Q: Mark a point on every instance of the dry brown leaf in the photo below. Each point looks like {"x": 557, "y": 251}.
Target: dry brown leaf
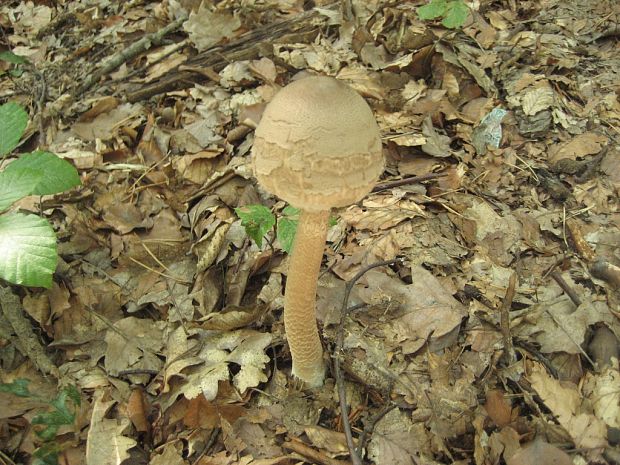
{"x": 103, "y": 105}
{"x": 331, "y": 441}
{"x": 232, "y": 317}
{"x": 588, "y": 143}
{"x": 429, "y": 313}
{"x": 136, "y": 410}
{"x": 539, "y": 452}
{"x": 172, "y": 455}
{"x": 397, "y": 440}
{"x": 206, "y": 28}
{"x": 436, "y": 145}
{"x": 603, "y": 390}
{"x": 133, "y": 344}
{"x": 106, "y": 443}
{"x": 498, "y": 408}
{"x": 105, "y": 125}
{"x": 565, "y": 402}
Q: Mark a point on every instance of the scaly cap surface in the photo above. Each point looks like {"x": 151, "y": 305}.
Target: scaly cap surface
{"x": 318, "y": 145}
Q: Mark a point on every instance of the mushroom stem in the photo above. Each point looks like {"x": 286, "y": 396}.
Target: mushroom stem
{"x": 300, "y": 297}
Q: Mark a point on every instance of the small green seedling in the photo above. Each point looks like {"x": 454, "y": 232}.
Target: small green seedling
{"x": 17, "y": 60}
{"x": 453, "y": 12}
{"x": 258, "y": 220}
{"x": 28, "y": 253}
{"x": 61, "y": 411}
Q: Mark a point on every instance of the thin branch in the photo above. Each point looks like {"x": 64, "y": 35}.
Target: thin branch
{"x": 405, "y": 181}
{"x": 130, "y": 52}
{"x": 342, "y": 394}
{"x": 570, "y": 292}
{"x": 370, "y": 426}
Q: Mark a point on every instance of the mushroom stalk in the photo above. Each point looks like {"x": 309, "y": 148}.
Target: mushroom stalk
{"x": 318, "y": 147}
{"x": 300, "y": 297}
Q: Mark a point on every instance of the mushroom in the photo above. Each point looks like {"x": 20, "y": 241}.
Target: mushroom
{"x": 317, "y": 146}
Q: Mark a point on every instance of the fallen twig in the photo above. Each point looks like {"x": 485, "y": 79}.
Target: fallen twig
{"x": 314, "y": 455}
{"x": 382, "y": 186}
{"x": 370, "y": 426}
{"x": 253, "y": 44}
{"x": 32, "y": 348}
{"x": 342, "y": 394}
{"x": 570, "y": 292}
{"x": 130, "y": 52}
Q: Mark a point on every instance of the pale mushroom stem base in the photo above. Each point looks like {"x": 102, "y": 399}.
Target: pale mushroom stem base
{"x": 300, "y": 297}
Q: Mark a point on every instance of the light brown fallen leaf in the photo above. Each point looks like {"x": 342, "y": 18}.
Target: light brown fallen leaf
{"x": 538, "y": 453}
{"x": 106, "y": 443}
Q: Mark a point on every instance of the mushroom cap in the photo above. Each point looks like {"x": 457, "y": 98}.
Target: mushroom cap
{"x": 318, "y": 145}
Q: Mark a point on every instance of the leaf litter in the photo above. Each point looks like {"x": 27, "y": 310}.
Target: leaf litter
{"x": 166, "y": 308}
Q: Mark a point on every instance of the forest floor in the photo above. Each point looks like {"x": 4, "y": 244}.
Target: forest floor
{"x": 493, "y": 339}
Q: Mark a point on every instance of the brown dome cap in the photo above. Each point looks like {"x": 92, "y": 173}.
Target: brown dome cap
{"x": 317, "y": 145}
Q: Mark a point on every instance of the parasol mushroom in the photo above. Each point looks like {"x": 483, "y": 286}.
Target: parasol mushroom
{"x": 317, "y": 146}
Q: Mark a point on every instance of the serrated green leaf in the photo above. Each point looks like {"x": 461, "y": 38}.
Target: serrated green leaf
{"x": 16, "y": 185}
{"x": 13, "y": 122}
{"x": 291, "y": 211}
{"x": 53, "y": 173}
{"x": 18, "y": 388}
{"x": 47, "y": 454}
{"x": 28, "y": 253}
{"x": 456, "y": 14}
{"x": 287, "y": 227}
{"x": 434, "y": 9}
{"x": 257, "y": 221}
{"x": 60, "y": 415}
{"x": 12, "y": 58}
{"x": 65, "y": 415}
{"x": 74, "y": 394}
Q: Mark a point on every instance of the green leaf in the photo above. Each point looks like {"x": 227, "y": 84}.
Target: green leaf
{"x": 66, "y": 416}
{"x": 18, "y": 388}
{"x": 16, "y": 185}
{"x": 28, "y": 254}
{"x": 432, "y": 10}
{"x": 47, "y": 454}
{"x": 287, "y": 226}
{"x": 59, "y": 416}
{"x": 74, "y": 394}
{"x": 13, "y": 122}
{"x": 53, "y": 174}
{"x": 257, "y": 221}
{"x": 456, "y": 14}
{"x": 12, "y": 58}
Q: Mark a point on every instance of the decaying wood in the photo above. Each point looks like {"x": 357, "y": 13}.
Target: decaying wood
{"x": 302, "y": 28}
{"x": 29, "y": 344}
{"x": 128, "y": 53}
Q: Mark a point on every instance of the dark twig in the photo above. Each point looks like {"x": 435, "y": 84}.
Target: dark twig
{"x": 370, "y": 426}
{"x": 570, "y": 292}
{"x": 410, "y": 180}
{"x": 344, "y": 410}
